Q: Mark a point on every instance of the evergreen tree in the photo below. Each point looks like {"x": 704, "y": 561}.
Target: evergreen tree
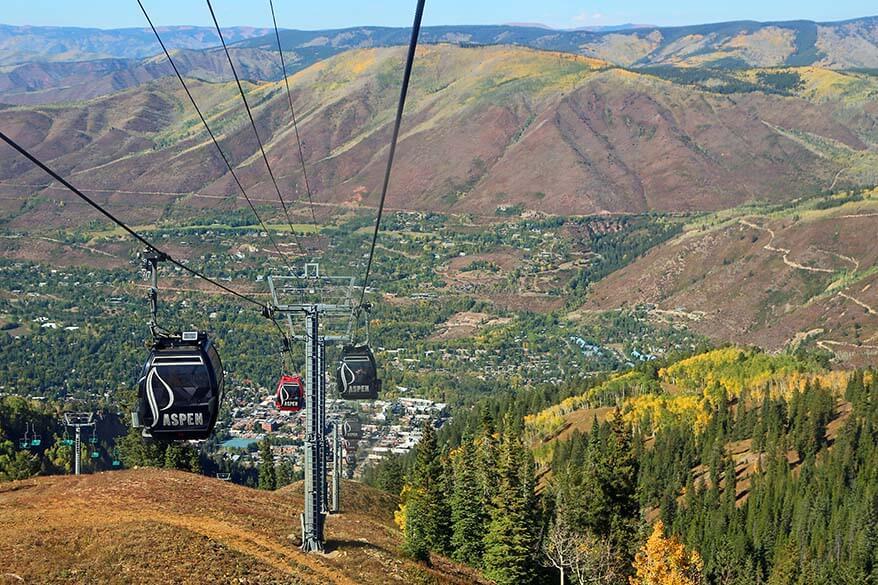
{"x": 426, "y": 509}
{"x": 487, "y": 458}
{"x": 391, "y": 475}
{"x": 429, "y": 478}
{"x": 137, "y": 452}
{"x": 467, "y": 508}
{"x": 787, "y": 565}
{"x": 267, "y": 476}
{"x": 284, "y": 473}
{"x": 176, "y": 457}
{"x": 440, "y": 499}
{"x": 620, "y": 487}
{"x": 509, "y": 543}
{"x": 410, "y": 519}
{"x": 194, "y": 462}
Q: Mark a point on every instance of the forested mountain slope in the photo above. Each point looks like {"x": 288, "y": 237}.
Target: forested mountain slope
{"x": 761, "y": 466}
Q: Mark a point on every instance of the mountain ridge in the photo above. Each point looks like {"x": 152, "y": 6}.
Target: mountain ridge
{"x": 44, "y": 65}
{"x": 25, "y": 44}
{"x": 734, "y": 44}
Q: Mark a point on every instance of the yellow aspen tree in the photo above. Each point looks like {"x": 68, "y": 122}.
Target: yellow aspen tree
{"x": 665, "y": 561}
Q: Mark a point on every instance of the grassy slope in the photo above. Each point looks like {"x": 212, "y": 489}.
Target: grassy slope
{"x": 159, "y": 526}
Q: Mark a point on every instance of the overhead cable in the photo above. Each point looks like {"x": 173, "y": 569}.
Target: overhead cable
{"x": 210, "y": 133}
{"x": 122, "y": 225}
{"x": 293, "y": 113}
{"x": 252, "y": 120}
{"x": 406, "y": 77}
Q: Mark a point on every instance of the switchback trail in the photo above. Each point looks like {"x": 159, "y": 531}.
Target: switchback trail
{"x": 783, "y": 251}
{"x": 869, "y": 309}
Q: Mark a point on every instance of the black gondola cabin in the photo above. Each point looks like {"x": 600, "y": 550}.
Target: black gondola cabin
{"x": 290, "y": 395}
{"x": 181, "y": 388}
{"x": 357, "y": 374}
{"x": 352, "y": 430}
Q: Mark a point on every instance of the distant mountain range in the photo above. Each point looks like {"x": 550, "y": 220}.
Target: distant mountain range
{"x": 741, "y": 44}
{"x": 847, "y": 44}
{"x": 50, "y": 64}
{"x": 27, "y": 44}
{"x": 605, "y": 28}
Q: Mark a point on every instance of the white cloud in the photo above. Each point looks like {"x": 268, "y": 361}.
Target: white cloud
{"x": 586, "y": 17}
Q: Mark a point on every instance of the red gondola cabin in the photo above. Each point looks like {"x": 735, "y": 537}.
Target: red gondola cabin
{"x": 290, "y": 395}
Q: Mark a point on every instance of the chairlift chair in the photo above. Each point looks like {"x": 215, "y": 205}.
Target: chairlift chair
{"x": 24, "y": 442}
{"x": 66, "y": 440}
{"x": 180, "y": 389}
{"x": 36, "y": 440}
{"x": 116, "y": 461}
{"x": 357, "y": 374}
{"x": 290, "y": 396}
{"x": 93, "y": 441}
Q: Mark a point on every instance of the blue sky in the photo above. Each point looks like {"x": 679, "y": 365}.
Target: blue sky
{"x": 342, "y": 13}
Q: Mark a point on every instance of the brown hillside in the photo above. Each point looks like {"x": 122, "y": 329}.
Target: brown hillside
{"x": 484, "y": 127}
{"x": 778, "y": 280}
{"x": 160, "y": 526}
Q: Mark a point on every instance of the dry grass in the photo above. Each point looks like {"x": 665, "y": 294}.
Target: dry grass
{"x": 160, "y": 526}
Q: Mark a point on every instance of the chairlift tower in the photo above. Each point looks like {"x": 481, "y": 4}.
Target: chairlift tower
{"x": 321, "y": 410}
{"x": 77, "y": 420}
{"x": 336, "y": 467}
{"x": 327, "y": 305}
